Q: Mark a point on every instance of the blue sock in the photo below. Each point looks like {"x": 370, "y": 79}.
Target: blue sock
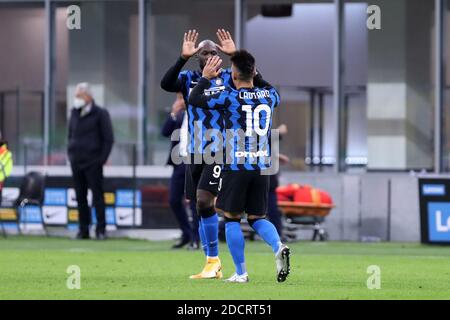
{"x": 266, "y": 230}
{"x": 211, "y": 230}
{"x": 202, "y": 235}
{"x": 236, "y": 245}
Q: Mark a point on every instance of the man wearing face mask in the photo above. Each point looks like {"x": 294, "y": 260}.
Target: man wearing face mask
{"x": 90, "y": 142}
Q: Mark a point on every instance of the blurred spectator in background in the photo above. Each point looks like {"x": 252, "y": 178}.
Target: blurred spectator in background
{"x": 90, "y": 142}
{"x": 177, "y": 119}
{"x": 6, "y": 163}
{"x": 2, "y": 143}
{"x": 273, "y": 213}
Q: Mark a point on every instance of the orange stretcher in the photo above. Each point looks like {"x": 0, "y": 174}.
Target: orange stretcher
{"x": 290, "y": 208}
{"x": 304, "y": 207}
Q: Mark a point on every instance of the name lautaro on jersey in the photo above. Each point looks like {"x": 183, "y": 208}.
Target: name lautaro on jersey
{"x": 254, "y": 95}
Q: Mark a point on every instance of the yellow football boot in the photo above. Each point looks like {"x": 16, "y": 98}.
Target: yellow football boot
{"x": 212, "y": 270}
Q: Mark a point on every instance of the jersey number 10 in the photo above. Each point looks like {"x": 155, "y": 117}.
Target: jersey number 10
{"x": 252, "y": 119}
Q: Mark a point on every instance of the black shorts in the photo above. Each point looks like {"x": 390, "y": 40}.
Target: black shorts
{"x": 202, "y": 176}
{"x": 244, "y": 191}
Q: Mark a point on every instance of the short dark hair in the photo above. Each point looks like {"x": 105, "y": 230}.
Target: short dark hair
{"x": 245, "y": 63}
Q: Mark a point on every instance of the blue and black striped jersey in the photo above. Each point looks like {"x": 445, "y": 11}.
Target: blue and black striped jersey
{"x": 207, "y": 118}
{"x": 199, "y": 121}
{"x": 247, "y": 115}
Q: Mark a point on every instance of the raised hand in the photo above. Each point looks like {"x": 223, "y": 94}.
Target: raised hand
{"x": 212, "y": 68}
{"x": 226, "y": 45}
{"x": 189, "y": 40}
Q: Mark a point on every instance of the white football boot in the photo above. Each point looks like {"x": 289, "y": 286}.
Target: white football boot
{"x": 243, "y": 278}
{"x": 282, "y": 262}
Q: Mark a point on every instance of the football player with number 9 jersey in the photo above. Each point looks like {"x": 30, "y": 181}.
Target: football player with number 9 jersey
{"x": 202, "y": 179}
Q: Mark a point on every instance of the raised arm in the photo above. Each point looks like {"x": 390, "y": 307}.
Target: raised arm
{"x": 197, "y": 98}
{"x": 171, "y": 81}
{"x": 226, "y": 45}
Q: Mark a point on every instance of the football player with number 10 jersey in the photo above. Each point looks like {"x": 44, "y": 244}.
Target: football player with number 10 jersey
{"x": 247, "y": 111}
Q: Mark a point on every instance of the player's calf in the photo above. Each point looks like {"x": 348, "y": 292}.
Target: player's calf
{"x": 267, "y": 231}
{"x": 209, "y": 221}
{"x": 236, "y": 242}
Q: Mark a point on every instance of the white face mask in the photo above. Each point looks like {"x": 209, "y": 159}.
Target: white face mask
{"x": 78, "y": 103}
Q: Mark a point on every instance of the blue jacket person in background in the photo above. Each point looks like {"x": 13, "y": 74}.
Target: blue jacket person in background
{"x": 174, "y": 121}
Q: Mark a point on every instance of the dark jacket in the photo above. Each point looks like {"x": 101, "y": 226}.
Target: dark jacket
{"x": 90, "y": 137}
{"x": 170, "y": 126}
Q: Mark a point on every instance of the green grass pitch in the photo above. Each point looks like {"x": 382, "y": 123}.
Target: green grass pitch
{"x": 35, "y": 268}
